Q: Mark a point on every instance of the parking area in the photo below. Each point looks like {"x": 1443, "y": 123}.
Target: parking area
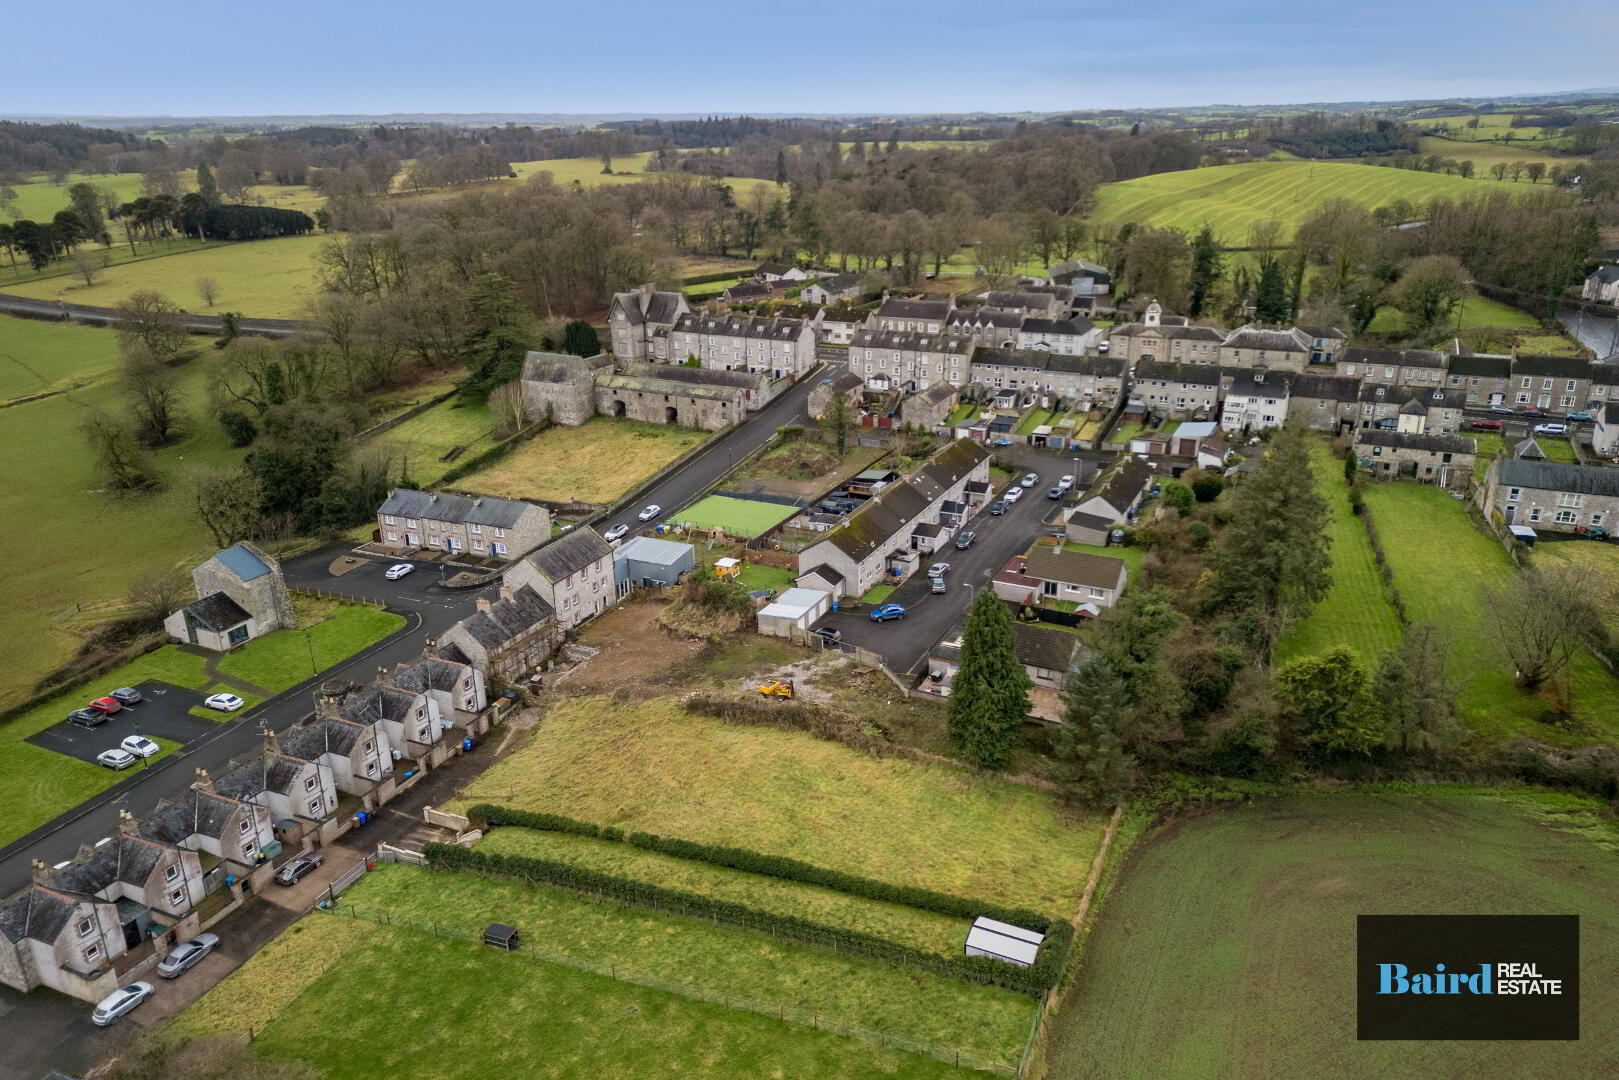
{"x": 162, "y": 713}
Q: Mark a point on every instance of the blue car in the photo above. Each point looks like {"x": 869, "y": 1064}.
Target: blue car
{"x": 886, "y": 612}
{"x": 1580, "y": 417}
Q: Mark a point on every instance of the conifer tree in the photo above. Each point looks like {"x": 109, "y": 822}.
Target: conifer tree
{"x": 207, "y": 186}
{"x": 1270, "y": 299}
{"x": 580, "y": 339}
{"x": 990, "y": 698}
{"x": 497, "y": 339}
{"x": 1089, "y": 746}
{"x": 1207, "y": 266}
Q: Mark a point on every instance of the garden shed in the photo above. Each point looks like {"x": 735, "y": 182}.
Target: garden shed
{"x": 501, "y": 936}
{"x": 1003, "y": 941}
{"x": 794, "y": 607}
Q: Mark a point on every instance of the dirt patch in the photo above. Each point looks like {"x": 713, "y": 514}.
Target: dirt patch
{"x": 803, "y": 675}
{"x": 635, "y": 651}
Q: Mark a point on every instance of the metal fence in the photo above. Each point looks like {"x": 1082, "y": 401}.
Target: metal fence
{"x": 789, "y": 1013}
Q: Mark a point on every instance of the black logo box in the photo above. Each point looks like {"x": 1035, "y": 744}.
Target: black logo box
{"x": 1462, "y": 942}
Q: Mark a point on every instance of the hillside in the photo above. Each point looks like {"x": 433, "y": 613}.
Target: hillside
{"x": 1233, "y": 197}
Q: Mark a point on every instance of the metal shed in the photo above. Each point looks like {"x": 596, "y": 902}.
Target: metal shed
{"x": 500, "y": 936}
{"x": 1003, "y": 941}
{"x": 794, "y": 607}
{"x": 646, "y": 560}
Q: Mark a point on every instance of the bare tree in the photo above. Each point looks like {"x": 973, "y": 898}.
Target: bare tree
{"x": 153, "y": 396}
{"x": 208, "y": 290}
{"x": 85, "y": 265}
{"x": 127, "y": 467}
{"x": 155, "y": 594}
{"x": 1542, "y": 618}
{"x": 229, "y": 503}
{"x": 152, "y": 322}
{"x": 507, "y": 410}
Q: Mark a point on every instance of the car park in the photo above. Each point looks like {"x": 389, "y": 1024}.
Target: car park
{"x": 108, "y": 705}
{"x": 117, "y": 760}
{"x": 119, "y": 1003}
{"x": 1551, "y": 429}
{"x": 186, "y": 955}
{"x": 1030, "y": 479}
{"x": 939, "y": 569}
{"x": 140, "y": 746}
{"x": 223, "y": 702}
{"x": 397, "y": 571}
{"x": 937, "y": 585}
{"x": 1014, "y": 495}
{"x": 650, "y": 512}
{"x": 86, "y": 717}
{"x": 997, "y": 508}
{"x": 294, "y": 870}
{"x": 965, "y": 540}
{"x": 615, "y": 533}
{"x": 886, "y": 612}
{"x": 127, "y": 695}
{"x": 831, "y": 634}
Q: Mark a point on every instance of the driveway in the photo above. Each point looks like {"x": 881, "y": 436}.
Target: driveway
{"x": 43, "y": 1031}
{"x": 163, "y": 714}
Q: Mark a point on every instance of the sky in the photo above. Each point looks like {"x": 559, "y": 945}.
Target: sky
{"x": 190, "y": 58}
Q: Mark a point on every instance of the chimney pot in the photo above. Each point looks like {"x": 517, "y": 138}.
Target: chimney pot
{"x": 483, "y": 603}
{"x": 40, "y": 870}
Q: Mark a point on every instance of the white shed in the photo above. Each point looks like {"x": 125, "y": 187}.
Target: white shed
{"x": 794, "y": 607}
{"x": 1003, "y": 941}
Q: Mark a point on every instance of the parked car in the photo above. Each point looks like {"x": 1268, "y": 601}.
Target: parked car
{"x": 1013, "y": 495}
{"x": 86, "y": 717}
{"x": 108, "y": 705}
{"x": 1505, "y": 410}
{"x": 1533, "y": 413}
{"x": 1551, "y": 429}
{"x": 615, "y": 533}
{"x": 294, "y": 870}
{"x": 939, "y": 569}
{"x": 1580, "y": 417}
{"x": 1101, "y": 346}
{"x": 886, "y": 612}
{"x": 937, "y": 585}
{"x": 965, "y": 540}
{"x": 140, "y": 746}
{"x": 1030, "y": 479}
{"x": 1056, "y": 492}
{"x": 1486, "y": 425}
{"x": 120, "y": 1002}
{"x": 116, "y": 760}
{"x": 397, "y": 571}
{"x": 650, "y": 512}
{"x": 831, "y": 633}
{"x": 1066, "y": 481}
{"x": 223, "y": 702}
{"x": 997, "y": 508}
{"x": 1001, "y": 442}
{"x": 127, "y": 695}
{"x": 186, "y": 955}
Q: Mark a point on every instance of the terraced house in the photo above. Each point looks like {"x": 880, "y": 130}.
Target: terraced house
{"x": 896, "y": 359}
{"x": 638, "y": 323}
{"x": 1177, "y": 390}
{"x": 1098, "y": 380}
{"x": 507, "y": 637}
{"x": 573, "y": 574}
{"x": 1411, "y": 409}
{"x": 1279, "y": 349}
{"x": 785, "y": 348}
{"x": 1445, "y": 460}
{"x": 1549, "y": 495}
{"x": 1395, "y": 367}
{"x": 477, "y": 525}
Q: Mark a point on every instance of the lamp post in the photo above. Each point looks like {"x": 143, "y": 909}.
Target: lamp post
{"x": 309, "y": 643}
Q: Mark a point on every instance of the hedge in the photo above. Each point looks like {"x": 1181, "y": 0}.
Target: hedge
{"x": 1047, "y": 967}
{"x": 976, "y": 969}
{"x": 719, "y": 275}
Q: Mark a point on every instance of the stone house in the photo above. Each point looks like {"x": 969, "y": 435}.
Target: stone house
{"x": 784, "y": 348}
{"x": 1271, "y": 348}
{"x": 237, "y": 834}
{"x": 657, "y": 400}
{"x": 301, "y": 795}
{"x": 1255, "y": 400}
{"x": 986, "y": 326}
{"x": 357, "y": 756}
{"x": 838, "y": 324}
{"x": 573, "y": 574}
{"x": 1395, "y": 367}
{"x": 1445, "y": 460}
{"x": 482, "y": 526}
{"x": 1071, "y": 337}
{"x": 1411, "y": 409}
{"x": 1482, "y": 378}
{"x": 754, "y": 385}
{"x": 1554, "y": 383}
{"x": 508, "y": 637}
{"x": 830, "y": 290}
{"x": 561, "y": 386}
{"x": 634, "y": 320}
{"x": 1605, "y": 381}
{"x": 417, "y": 728}
{"x": 892, "y": 359}
{"x": 1111, "y": 499}
{"x": 910, "y": 316}
{"x": 1549, "y": 495}
{"x": 847, "y": 384}
{"x": 885, "y": 538}
{"x": 929, "y": 408}
{"x": 1098, "y": 380}
{"x": 241, "y": 595}
{"x": 1177, "y": 390}
{"x": 1323, "y": 402}
{"x": 64, "y": 941}
{"x": 1602, "y": 285}
{"x": 1605, "y": 432}
{"x": 1165, "y": 337}
{"x": 1041, "y": 305}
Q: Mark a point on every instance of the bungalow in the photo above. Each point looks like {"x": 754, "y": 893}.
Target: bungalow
{"x": 1050, "y": 575}
{"x": 1109, "y": 501}
{"x": 1445, "y": 460}
{"x": 1047, "y": 656}
{"x": 482, "y": 526}
{"x": 573, "y": 574}
{"x": 769, "y": 271}
{"x": 746, "y": 292}
{"x": 1548, "y": 495}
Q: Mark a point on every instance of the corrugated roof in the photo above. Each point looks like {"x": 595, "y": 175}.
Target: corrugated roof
{"x": 653, "y": 550}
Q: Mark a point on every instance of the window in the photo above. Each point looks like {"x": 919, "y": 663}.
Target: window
{"x": 421, "y": 710}
{"x": 1596, "y": 519}
{"x": 172, "y": 872}
{"x": 388, "y": 519}
{"x": 177, "y": 898}
{"x": 1566, "y": 517}
{"x": 1569, "y": 385}
{"x": 85, "y": 926}
{"x": 1513, "y": 493}
{"x": 1525, "y": 382}
{"x": 500, "y": 549}
{"x": 499, "y": 533}
{"x": 368, "y": 747}
{"x": 1097, "y": 594}
{"x": 476, "y": 529}
{"x": 92, "y": 952}
{"x": 250, "y": 849}
{"x": 1534, "y": 515}
{"x": 245, "y": 826}
{"x": 1568, "y": 498}
{"x": 393, "y": 538}
{"x": 1377, "y": 451}
{"x": 315, "y": 807}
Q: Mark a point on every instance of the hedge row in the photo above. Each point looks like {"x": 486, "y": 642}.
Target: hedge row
{"x": 976, "y": 969}
{"x": 719, "y": 275}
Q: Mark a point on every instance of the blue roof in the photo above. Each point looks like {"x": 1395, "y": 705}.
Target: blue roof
{"x": 243, "y": 563}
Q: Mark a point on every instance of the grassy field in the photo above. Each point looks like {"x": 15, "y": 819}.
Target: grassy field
{"x": 738, "y": 517}
{"x": 1484, "y": 154}
{"x": 1233, "y": 197}
{"x": 39, "y": 200}
{"x": 595, "y": 462}
{"x": 649, "y": 766}
{"x": 284, "y": 659}
{"x": 1475, "y": 313}
{"x": 1224, "y": 951}
{"x": 1598, "y": 560}
{"x": 1356, "y": 610}
{"x": 37, "y": 357}
{"x": 754, "y": 576}
{"x": 894, "y": 922}
{"x": 425, "y": 438}
{"x": 271, "y": 279}
{"x": 553, "y": 1022}
{"x": 1441, "y": 563}
{"x": 102, "y": 258}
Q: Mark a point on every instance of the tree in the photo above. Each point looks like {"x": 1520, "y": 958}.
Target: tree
{"x": 1415, "y": 696}
{"x": 607, "y": 164}
{"x": 1131, "y": 639}
{"x": 229, "y": 503}
{"x": 1541, "y": 618}
{"x": 1363, "y": 305}
{"x": 579, "y": 338}
{"x": 152, "y": 397}
{"x": 207, "y": 290}
{"x": 1327, "y": 699}
{"x": 1498, "y": 171}
{"x": 990, "y": 699}
{"x": 838, "y": 422}
{"x": 1093, "y": 765}
{"x": 781, "y": 166}
{"x": 152, "y": 323}
{"x": 116, "y": 450}
{"x": 207, "y": 186}
{"x": 507, "y": 409}
{"x": 1535, "y": 169}
{"x": 85, "y": 202}
{"x": 1207, "y": 267}
{"x": 155, "y": 594}
{"x": 1156, "y": 262}
{"x": 86, "y": 265}
{"x": 1270, "y": 298}
{"x": 497, "y": 339}
{"x": 1429, "y": 291}
{"x": 238, "y": 427}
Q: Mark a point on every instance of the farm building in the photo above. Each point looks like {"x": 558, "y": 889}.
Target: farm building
{"x": 241, "y": 595}
{"x": 646, "y": 560}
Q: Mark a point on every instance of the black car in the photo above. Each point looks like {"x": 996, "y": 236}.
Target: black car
{"x": 291, "y": 872}
{"x": 1537, "y": 413}
{"x": 965, "y": 540}
{"x": 86, "y": 717}
{"x": 997, "y": 508}
{"x": 126, "y": 695}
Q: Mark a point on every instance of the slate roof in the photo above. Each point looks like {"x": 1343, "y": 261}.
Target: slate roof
{"x": 736, "y": 324}
{"x": 1606, "y": 274}
{"x": 510, "y": 618}
{"x": 569, "y": 553}
{"x": 129, "y": 859}
{"x": 1074, "y": 567}
{"x": 1042, "y": 360}
{"x": 1326, "y": 332}
{"x": 38, "y": 913}
{"x": 1090, "y": 521}
{"x": 1041, "y": 647}
{"x": 748, "y": 290}
{"x": 1410, "y": 440}
{"x": 847, "y": 381}
{"x": 550, "y": 367}
{"x": 1205, "y": 333}
{"x": 1120, "y": 487}
{"x": 1246, "y": 383}
{"x": 938, "y": 393}
{"x": 244, "y": 562}
{"x": 839, "y": 282}
{"x": 657, "y": 384}
{"x": 1004, "y": 320}
{"x": 777, "y": 269}
{"x": 1428, "y": 397}
{"x": 1605, "y": 373}
{"x": 826, "y": 572}
{"x": 1021, "y": 300}
{"x": 461, "y": 509}
{"x": 927, "y": 310}
{"x": 218, "y": 612}
{"x": 375, "y": 703}
{"x": 912, "y": 340}
{"x": 1059, "y": 327}
{"x": 431, "y": 673}
{"x": 1481, "y": 366}
{"x": 893, "y": 509}
{"x": 702, "y": 376}
{"x": 1560, "y": 367}
{"x": 652, "y": 307}
{"x": 1427, "y": 358}
{"x": 322, "y": 735}
{"x": 1164, "y": 371}
{"x": 1529, "y": 450}
{"x": 1328, "y": 387}
{"x": 201, "y": 813}
{"x": 1553, "y": 476}
{"x": 1254, "y": 337}
{"x": 1610, "y": 413}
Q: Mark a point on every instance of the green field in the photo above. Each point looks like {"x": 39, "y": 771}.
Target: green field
{"x": 1483, "y": 154}
{"x": 288, "y": 657}
{"x": 426, "y": 437}
{"x": 1598, "y": 560}
{"x": 270, "y": 279}
{"x": 39, "y": 200}
{"x": 331, "y": 973}
{"x": 1441, "y": 563}
{"x": 738, "y": 517}
{"x": 1356, "y": 610}
{"x": 1225, "y": 950}
{"x": 38, "y": 357}
{"x": 1474, "y": 313}
{"x": 101, "y": 259}
{"x": 596, "y": 462}
{"x": 649, "y": 766}
{"x": 1233, "y": 197}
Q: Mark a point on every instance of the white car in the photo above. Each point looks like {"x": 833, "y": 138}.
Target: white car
{"x": 615, "y": 533}
{"x": 186, "y": 955}
{"x": 117, "y": 760}
{"x": 223, "y": 702}
{"x": 650, "y": 512}
{"x": 140, "y": 746}
{"x": 1031, "y": 479}
{"x": 121, "y": 1001}
{"x": 939, "y": 569}
{"x": 1066, "y": 482}
{"x": 397, "y": 571}
{"x": 1013, "y": 494}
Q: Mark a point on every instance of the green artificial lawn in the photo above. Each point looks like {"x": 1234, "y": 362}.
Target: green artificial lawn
{"x": 710, "y": 958}
{"x": 910, "y": 926}
{"x": 738, "y": 517}
{"x": 1225, "y": 950}
{"x": 288, "y": 657}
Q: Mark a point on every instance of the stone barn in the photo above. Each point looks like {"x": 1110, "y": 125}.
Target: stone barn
{"x": 241, "y": 595}
{"x": 564, "y": 384}
{"x": 661, "y": 400}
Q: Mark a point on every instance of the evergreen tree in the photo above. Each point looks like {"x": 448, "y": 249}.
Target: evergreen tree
{"x": 207, "y": 186}
{"x": 1089, "y": 746}
{"x": 990, "y": 699}
{"x": 579, "y": 338}
{"x": 497, "y": 338}
{"x": 1270, "y": 299}
{"x": 781, "y": 166}
{"x": 1415, "y": 697}
{"x": 838, "y": 422}
{"x": 1207, "y": 267}
{"x": 1362, "y": 310}
{"x": 1328, "y": 701}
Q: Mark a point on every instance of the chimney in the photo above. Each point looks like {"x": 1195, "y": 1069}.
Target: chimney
{"x": 41, "y": 872}
{"x": 646, "y": 288}
{"x": 483, "y": 603}
{"x": 272, "y": 741}
{"x": 505, "y": 591}
{"x": 204, "y": 782}
{"x": 126, "y": 823}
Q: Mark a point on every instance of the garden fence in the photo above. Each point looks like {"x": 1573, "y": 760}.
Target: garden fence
{"x": 789, "y": 1013}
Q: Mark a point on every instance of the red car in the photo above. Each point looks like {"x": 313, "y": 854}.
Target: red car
{"x": 1485, "y": 425}
{"x": 108, "y": 705}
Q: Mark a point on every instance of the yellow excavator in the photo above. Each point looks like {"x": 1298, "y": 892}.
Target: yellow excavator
{"x": 780, "y": 688}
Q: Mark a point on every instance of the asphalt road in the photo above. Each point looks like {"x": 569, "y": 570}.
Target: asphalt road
{"x": 1599, "y": 333}
{"x": 105, "y": 316}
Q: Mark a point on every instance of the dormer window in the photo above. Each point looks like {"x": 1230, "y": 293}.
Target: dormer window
{"x": 1379, "y": 391}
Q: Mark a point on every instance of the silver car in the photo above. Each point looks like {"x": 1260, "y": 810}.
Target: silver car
{"x": 116, "y": 1004}
{"x": 187, "y": 955}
